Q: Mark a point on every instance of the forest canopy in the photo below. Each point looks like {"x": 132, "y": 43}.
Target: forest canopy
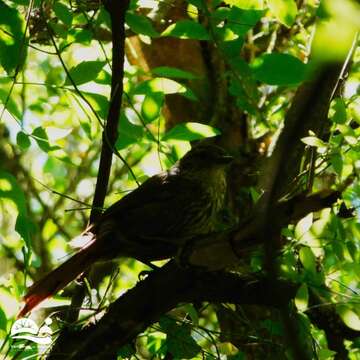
{"x": 98, "y": 96}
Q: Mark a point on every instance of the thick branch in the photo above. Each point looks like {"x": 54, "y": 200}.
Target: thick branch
{"x": 159, "y": 293}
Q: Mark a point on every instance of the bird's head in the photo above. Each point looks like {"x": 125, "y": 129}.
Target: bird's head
{"x": 205, "y": 158}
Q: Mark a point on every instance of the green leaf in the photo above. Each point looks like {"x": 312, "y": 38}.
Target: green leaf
{"x": 284, "y": 10}
{"x": 155, "y": 343}
{"x": 151, "y": 106}
{"x": 84, "y": 72}
{"x": 140, "y": 24}
{"x": 167, "y": 71}
{"x": 179, "y": 341}
{"x": 25, "y": 227}
{"x": 3, "y": 320}
{"x": 99, "y": 103}
{"x": 308, "y": 259}
{"x": 337, "y": 163}
{"x": 192, "y": 312}
{"x": 246, "y": 4}
{"x": 303, "y": 226}
{"x": 350, "y": 317}
{"x": 313, "y": 141}
{"x": 58, "y": 28}
{"x": 82, "y": 36}
{"x": 239, "y": 21}
{"x": 10, "y": 189}
{"x": 63, "y": 13}
{"x": 278, "y": 69}
{"x": 165, "y": 86}
{"x": 181, "y": 345}
{"x": 23, "y": 140}
{"x": 103, "y": 78}
{"x": 190, "y": 131}
{"x": 326, "y": 354}
{"x": 302, "y": 298}
{"x": 197, "y": 3}
{"x": 167, "y": 324}
{"x": 338, "y": 110}
{"x": 11, "y": 105}
{"x": 128, "y": 133}
{"x": 12, "y": 43}
{"x": 186, "y": 29}
{"x": 338, "y": 249}
{"x": 40, "y": 136}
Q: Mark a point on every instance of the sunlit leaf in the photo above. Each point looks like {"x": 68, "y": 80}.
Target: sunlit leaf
{"x": 151, "y": 106}
{"x": 82, "y": 36}
{"x": 186, "y": 29}
{"x": 12, "y": 42}
{"x": 246, "y": 4}
{"x": 190, "y": 131}
{"x": 302, "y": 298}
{"x": 308, "y": 259}
{"x": 63, "y": 13}
{"x": 326, "y": 354}
{"x": 84, "y": 72}
{"x": 40, "y": 136}
{"x": 10, "y": 189}
{"x": 338, "y": 111}
{"x": 99, "y": 103}
{"x": 335, "y": 33}
{"x": 11, "y": 105}
{"x": 337, "y": 163}
{"x": 240, "y": 21}
{"x": 165, "y": 86}
{"x": 128, "y": 133}
{"x": 350, "y": 317}
{"x": 140, "y": 24}
{"x": 284, "y": 10}
{"x": 167, "y": 71}
{"x": 55, "y": 133}
{"x": 313, "y": 141}
{"x": 278, "y": 69}
{"x": 311, "y": 240}
{"x": 303, "y": 226}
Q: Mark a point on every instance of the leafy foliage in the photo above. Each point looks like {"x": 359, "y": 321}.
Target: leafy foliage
{"x": 193, "y": 70}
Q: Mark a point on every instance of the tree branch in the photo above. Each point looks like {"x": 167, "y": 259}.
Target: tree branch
{"x": 117, "y": 11}
{"x": 159, "y": 293}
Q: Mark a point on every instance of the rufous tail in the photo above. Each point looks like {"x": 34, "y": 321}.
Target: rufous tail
{"x": 57, "y": 279}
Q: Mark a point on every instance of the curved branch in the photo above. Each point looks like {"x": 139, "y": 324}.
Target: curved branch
{"x": 159, "y": 293}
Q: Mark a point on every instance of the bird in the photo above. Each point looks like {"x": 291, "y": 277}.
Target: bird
{"x": 152, "y": 222}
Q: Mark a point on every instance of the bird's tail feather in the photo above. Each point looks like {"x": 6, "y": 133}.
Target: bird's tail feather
{"x": 59, "y": 278}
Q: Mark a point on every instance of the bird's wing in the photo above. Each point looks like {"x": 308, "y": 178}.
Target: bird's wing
{"x": 157, "y": 209}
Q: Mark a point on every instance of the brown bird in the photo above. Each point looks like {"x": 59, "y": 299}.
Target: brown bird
{"x": 151, "y": 223}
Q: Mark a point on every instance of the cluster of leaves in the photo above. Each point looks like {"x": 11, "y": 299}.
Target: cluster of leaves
{"x": 55, "y": 85}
